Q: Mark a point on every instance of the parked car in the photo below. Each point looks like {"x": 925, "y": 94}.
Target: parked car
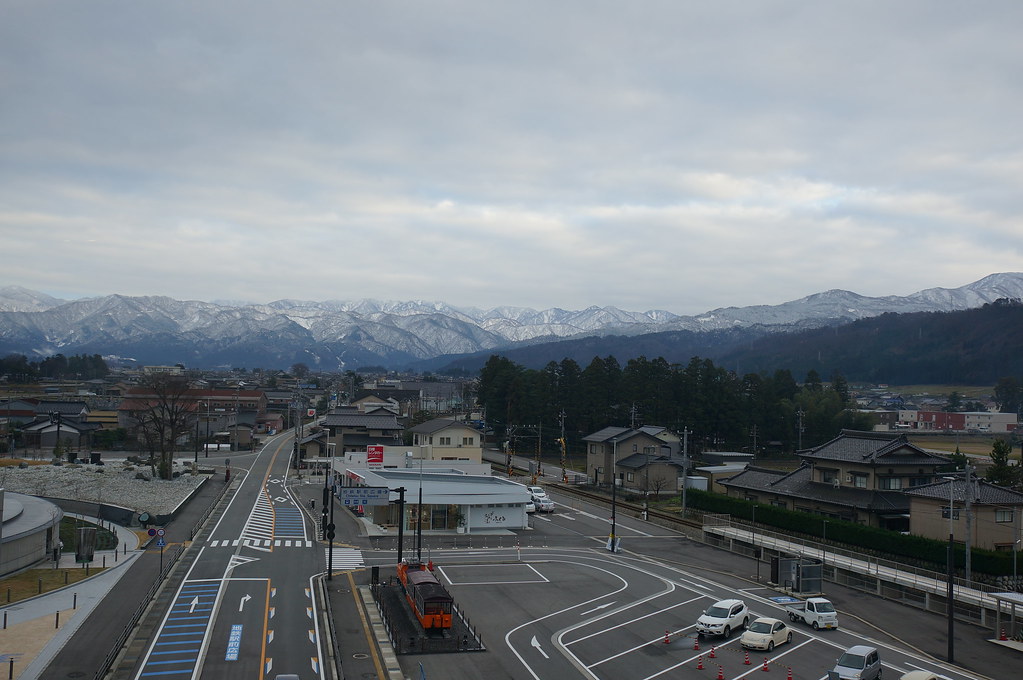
{"x": 536, "y": 492}
{"x": 722, "y": 618}
{"x": 544, "y": 504}
{"x": 919, "y": 675}
{"x": 765, "y": 633}
{"x": 858, "y": 663}
{"x": 816, "y": 611}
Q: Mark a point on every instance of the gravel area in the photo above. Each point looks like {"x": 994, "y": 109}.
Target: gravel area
{"x": 116, "y": 483}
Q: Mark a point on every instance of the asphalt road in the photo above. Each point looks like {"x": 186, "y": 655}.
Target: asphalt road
{"x": 244, "y": 607}
{"x": 554, "y": 603}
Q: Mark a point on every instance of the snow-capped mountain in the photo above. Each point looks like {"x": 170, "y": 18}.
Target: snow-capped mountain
{"x": 335, "y": 334}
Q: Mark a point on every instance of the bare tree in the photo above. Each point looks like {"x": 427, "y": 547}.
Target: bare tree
{"x": 162, "y": 406}
{"x": 658, "y": 484}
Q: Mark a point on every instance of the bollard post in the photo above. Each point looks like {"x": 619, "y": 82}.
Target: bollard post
{"x": 104, "y": 561}
{"x": 40, "y": 585}
{"x": 56, "y": 619}
{"x": 65, "y": 578}
{"x": 10, "y": 673}
{"x": 5, "y": 620}
{"x": 74, "y": 601}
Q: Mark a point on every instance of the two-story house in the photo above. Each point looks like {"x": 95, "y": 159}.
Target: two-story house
{"x": 858, "y": 476}
{"x": 350, "y": 430}
{"x": 941, "y": 508}
{"x": 641, "y": 459}
{"x": 447, "y": 439}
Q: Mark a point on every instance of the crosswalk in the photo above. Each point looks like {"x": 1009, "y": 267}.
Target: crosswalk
{"x": 261, "y": 543}
{"x": 344, "y": 558}
{"x": 339, "y": 558}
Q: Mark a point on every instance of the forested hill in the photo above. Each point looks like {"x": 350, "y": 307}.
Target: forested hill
{"x": 972, "y": 347}
{"x": 976, "y": 346}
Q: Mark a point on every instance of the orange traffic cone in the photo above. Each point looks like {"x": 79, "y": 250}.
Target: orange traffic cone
{"x": 712, "y": 654}
{"x": 667, "y": 639}
{"x": 1002, "y": 636}
{"x": 696, "y": 643}
{"x": 790, "y": 673}
{"x": 699, "y": 663}
{"x": 721, "y": 673}
{"x": 765, "y": 668}
{"x": 746, "y": 662}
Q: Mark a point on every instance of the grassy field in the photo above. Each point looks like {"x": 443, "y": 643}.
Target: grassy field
{"x": 32, "y": 582}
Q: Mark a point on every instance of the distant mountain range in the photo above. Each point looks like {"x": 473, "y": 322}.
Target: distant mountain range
{"x": 338, "y": 335}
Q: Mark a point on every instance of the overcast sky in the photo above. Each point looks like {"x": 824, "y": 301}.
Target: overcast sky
{"x": 648, "y": 155}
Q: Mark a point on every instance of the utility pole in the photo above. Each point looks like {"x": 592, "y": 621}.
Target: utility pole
{"x": 969, "y": 522}
{"x": 799, "y": 427}
{"x": 564, "y": 452}
{"x": 685, "y": 467}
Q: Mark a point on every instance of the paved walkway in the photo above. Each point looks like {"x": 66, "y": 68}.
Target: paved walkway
{"x": 47, "y": 636}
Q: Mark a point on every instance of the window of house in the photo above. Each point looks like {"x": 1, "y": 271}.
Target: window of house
{"x": 890, "y": 483}
{"x": 1003, "y": 515}
{"x": 750, "y": 498}
{"x": 859, "y": 480}
{"x": 630, "y": 477}
{"x": 600, "y": 469}
{"x": 919, "y": 481}
{"x": 445, "y": 441}
{"x": 779, "y": 504}
{"x": 468, "y": 441}
{"x": 430, "y": 440}
{"x": 593, "y": 448}
{"x": 828, "y": 476}
{"x": 635, "y": 448}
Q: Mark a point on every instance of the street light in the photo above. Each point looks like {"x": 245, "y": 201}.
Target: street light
{"x": 950, "y": 595}
{"x": 614, "y": 483}
{"x": 756, "y": 555}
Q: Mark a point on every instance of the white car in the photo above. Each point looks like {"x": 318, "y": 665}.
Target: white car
{"x": 765, "y": 633}
{"x": 536, "y": 492}
{"x": 722, "y": 618}
{"x": 544, "y": 504}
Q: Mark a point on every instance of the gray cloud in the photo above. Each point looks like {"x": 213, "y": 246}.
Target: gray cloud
{"x": 680, "y": 156}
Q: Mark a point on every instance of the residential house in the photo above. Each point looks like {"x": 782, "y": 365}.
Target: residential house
{"x": 640, "y": 459}
{"x": 351, "y": 430}
{"x": 403, "y": 403}
{"x": 996, "y": 512}
{"x": 858, "y": 476}
{"x": 447, "y": 439}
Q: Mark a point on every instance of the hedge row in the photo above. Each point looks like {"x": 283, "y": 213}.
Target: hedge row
{"x": 925, "y": 552}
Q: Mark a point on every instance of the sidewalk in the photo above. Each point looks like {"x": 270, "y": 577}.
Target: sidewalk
{"x": 37, "y": 628}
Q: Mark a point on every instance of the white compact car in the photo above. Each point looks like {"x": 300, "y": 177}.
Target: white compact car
{"x": 723, "y": 617}
{"x": 766, "y": 634}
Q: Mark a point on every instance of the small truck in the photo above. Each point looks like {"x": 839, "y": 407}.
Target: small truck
{"x": 815, "y": 611}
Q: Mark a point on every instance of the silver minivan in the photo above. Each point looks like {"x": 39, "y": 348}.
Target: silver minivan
{"x": 858, "y": 663}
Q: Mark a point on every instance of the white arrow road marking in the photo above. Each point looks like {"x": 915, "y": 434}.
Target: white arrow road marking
{"x": 597, "y": 608}
{"x": 241, "y": 603}
{"x": 192, "y": 605}
{"x": 538, "y": 647}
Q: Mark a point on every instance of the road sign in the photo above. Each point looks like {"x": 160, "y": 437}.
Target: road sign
{"x": 161, "y": 532}
{"x": 160, "y": 543}
{"x": 365, "y": 495}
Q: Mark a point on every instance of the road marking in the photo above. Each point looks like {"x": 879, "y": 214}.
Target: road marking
{"x": 536, "y": 644}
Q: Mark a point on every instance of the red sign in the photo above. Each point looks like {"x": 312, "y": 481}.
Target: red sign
{"x": 375, "y": 456}
{"x": 311, "y": 413}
